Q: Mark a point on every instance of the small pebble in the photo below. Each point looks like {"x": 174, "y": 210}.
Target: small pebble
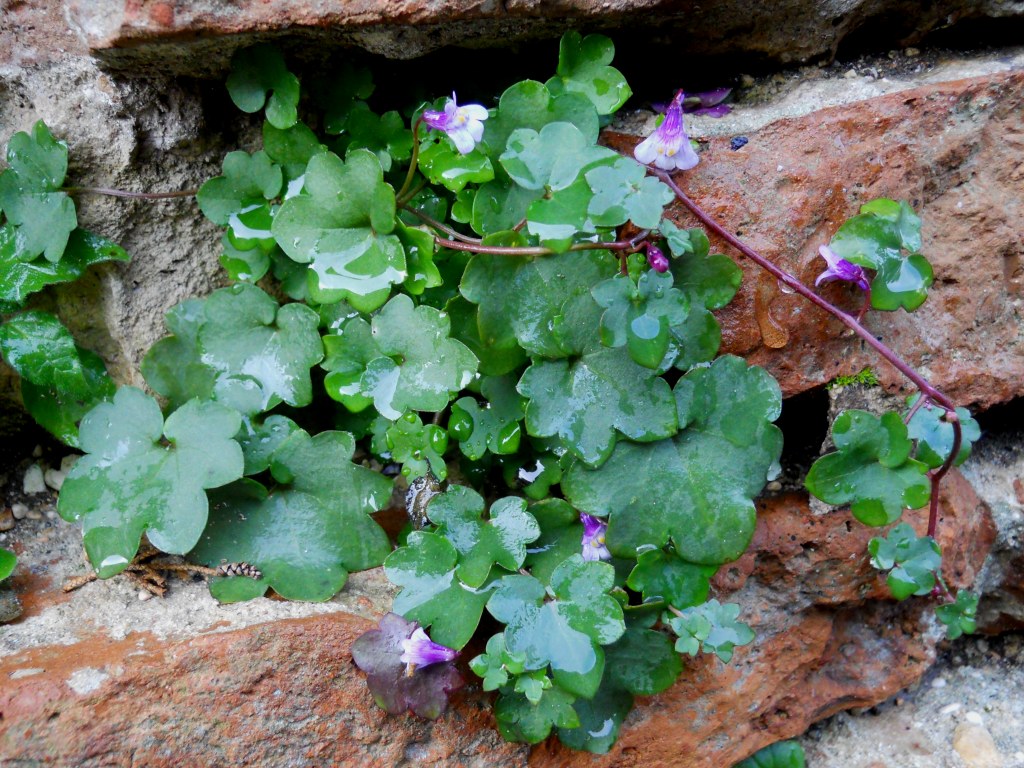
{"x": 976, "y": 747}
{"x": 68, "y": 462}
{"x": 6, "y": 519}
{"x": 738, "y": 142}
{"x": 33, "y": 481}
{"x": 144, "y": 595}
{"x": 850, "y": 74}
{"x": 939, "y": 682}
{"x": 51, "y": 514}
{"x": 973, "y": 717}
{"x": 37, "y": 452}
{"x": 949, "y": 709}
{"x": 912, "y": 52}
{"x": 54, "y": 478}
{"x": 774, "y": 485}
{"x": 19, "y": 510}
{"x": 34, "y": 514}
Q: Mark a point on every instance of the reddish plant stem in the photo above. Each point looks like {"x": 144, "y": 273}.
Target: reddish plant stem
{"x": 126, "y": 193}
{"x": 927, "y": 390}
{"x": 440, "y": 227}
{"x": 626, "y": 246}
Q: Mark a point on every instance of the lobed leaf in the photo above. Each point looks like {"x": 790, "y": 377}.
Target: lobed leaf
{"x": 871, "y": 470}
{"x": 132, "y": 482}
{"x": 583, "y": 68}
{"x": 934, "y": 435}
{"x": 501, "y": 539}
{"x": 710, "y": 628}
{"x": 492, "y": 426}
{"x": 309, "y": 531}
{"x": 260, "y": 77}
{"x": 706, "y": 476}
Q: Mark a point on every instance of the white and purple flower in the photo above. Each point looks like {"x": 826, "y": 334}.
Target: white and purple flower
{"x": 841, "y": 269}
{"x": 464, "y": 125}
{"x": 593, "y": 538}
{"x": 668, "y": 148}
{"x": 419, "y": 650}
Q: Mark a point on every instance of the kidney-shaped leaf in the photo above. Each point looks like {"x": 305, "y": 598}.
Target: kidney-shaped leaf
{"x": 132, "y": 480}
{"x": 696, "y": 489}
{"x": 310, "y": 531}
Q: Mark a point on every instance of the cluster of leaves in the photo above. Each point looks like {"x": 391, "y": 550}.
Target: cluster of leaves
{"x": 562, "y": 378}
{"x": 41, "y": 244}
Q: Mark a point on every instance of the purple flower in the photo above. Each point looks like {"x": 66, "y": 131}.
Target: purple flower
{"x": 668, "y": 147}
{"x": 464, "y": 125}
{"x": 593, "y": 538}
{"x": 708, "y": 103}
{"x": 841, "y": 269}
{"x": 656, "y": 259}
{"x": 420, "y": 651}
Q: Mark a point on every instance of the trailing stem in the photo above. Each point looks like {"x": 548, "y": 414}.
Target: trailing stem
{"x": 926, "y": 389}
{"x": 126, "y": 193}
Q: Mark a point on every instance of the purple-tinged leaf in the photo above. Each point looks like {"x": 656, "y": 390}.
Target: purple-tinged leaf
{"x": 424, "y": 690}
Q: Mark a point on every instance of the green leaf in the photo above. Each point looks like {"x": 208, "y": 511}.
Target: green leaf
{"x": 39, "y": 347}
{"x": 42, "y": 217}
{"x": 684, "y": 241}
{"x": 587, "y": 403}
{"x": 934, "y": 435}
{"x": 500, "y": 205}
{"x": 440, "y": 162}
{"x": 292, "y": 148}
{"x": 338, "y": 92}
{"x": 663, "y": 575}
{"x": 244, "y": 266}
{"x": 914, "y": 562}
{"x": 406, "y": 361}
{"x": 431, "y": 592}
{"x": 343, "y": 227}
{"x": 259, "y": 76}
{"x": 309, "y": 531}
{"x": 871, "y": 469}
{"x": 529, "y": 104}
{"x": 501, "y": 539}
{"x": 384, "y": 135}
{"x": 173, "y": 367}
{"x": 959, "y": 616}
{"x": 643, "y": 662}
{"x": 419, "y": 257}
{"x": 561, "y": 537}
{"x": 248, "y": 182}
{"x": 709, "y": 282}
{"x": 583, "y": 68}
{"x": 7, "y": 562}
{"x": 710, "y": 628}
{"x": 542, "y": 303}
{"x": 624, "y": 192}
{"x": 519, "y": 720}
{"x": 638, "y": 316}
{"x": 130, "y": 481}
{"x": 494, "y": 360}
{"x": 495, "y": 425}
{"x": 559, "y": 219}
{"x": 245, "y": 333}
{"x": 565, "y": 632}
{"x": 782, "y": 754}
{"x": 886, "y": 237}
{"x": 19, "y": 279}
{"x": 552, "y": 158}
{"x": 496, "y": 664}
{"x": 417, "y": 447}
{"x": 600, "y": 720}
{"x": 58, "y": 410}
{"x": 260, "y": 440}
{"x": 705, "y": 477}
